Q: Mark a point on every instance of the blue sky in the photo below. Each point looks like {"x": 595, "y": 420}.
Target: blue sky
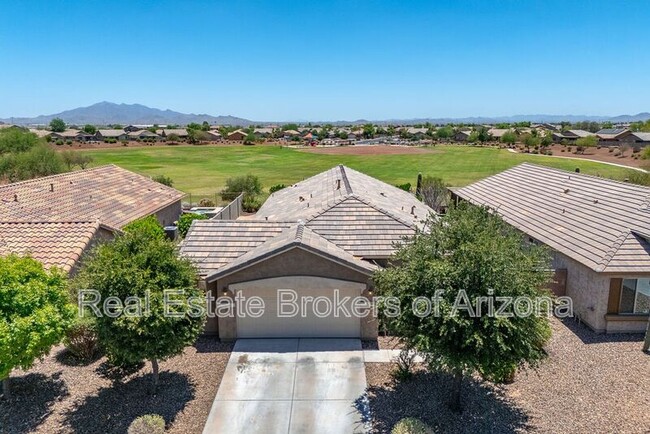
{"x": 327, "y": 60}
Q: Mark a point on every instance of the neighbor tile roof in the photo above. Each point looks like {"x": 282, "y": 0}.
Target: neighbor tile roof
{"x": 108, "y": 194}
{"x": 294, "y": 236}
{"x": 111, "y": 133}
{"x": 600, "y": 223}
{"x": 55, "y": 244}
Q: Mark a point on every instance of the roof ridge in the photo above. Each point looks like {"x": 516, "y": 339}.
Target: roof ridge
{"x": 616, "y": 245}
{"x": 346, "y": 181}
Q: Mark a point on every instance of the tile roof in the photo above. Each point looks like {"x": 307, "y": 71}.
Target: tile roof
{"x": 601, "y": 223}
{"x": 211, "y": 244}
{"x": 645, "y": 137}
{"x": 55, "y": 244}
{"x": 108, "y": 194}
{"x": 294, "y": 236}
{"x": 111, "y": 133}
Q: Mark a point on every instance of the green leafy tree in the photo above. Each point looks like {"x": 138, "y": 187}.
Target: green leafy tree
{"x": 547, "y": 139}
{"x": 249, "y": 184}
{"x": 445, "y": 132}
{"x": 368, "y": 131}
{"x": 185, "y": 221}
{"x": 205, "y": 126}
{"x": 164, "y": 180}
{"x": 57, "y": 125}
{"x": 146, "y": 225}
{"x": 90, "y": 129}
{"x": 586, "y": 142}
{"x": 483, "y": 135}
{"x": 16, "y": 140}
{"x": 434, "y": 193}
{"x": 144, "y": 268}
{"x": 473, "y": 250}
{"x": 35, "y": 313}
{"x": 509, "y": 137}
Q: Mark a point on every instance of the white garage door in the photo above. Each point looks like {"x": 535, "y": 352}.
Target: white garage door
{"x": 312, "y": 321}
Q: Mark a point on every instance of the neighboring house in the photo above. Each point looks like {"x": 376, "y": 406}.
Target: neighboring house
{"x": 598, "y": 231}
{"x": 238, "y": 135}
{"x": 633, "y": 138}
{"x": 40, "y": 132}
{"x": 142, "y": 135}
{"x": 212, "y": 135}
{"x": 462, "y": 136}
{"x": 497, "y": 133}
{"x": 330, "y": 231}
{"x": 570, "y": 135}
{"x": 77, "y": 135}
{"x": 179, "y": 132}
{"x": 263, "y": 132}
{"x": 611, "y": 136}
{"x": 102, "y": 135}
{"x": 55, "y": 218}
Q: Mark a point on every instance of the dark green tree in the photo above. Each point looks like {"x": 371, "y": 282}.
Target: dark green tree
{"x": 57, "y": 125}
{"x": 90, "y": 129}
{"x": 166, "y": 310}
{"x": 468, "y": 253}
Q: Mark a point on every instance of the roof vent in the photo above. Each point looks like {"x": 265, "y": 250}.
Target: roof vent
{"x": 338, "y": 184}
{"x": 566, "y": 191}
{"x": 595, "y": 200}
{"x": 413, "y": 210}
{"x": 15, "y": 198}
{"x": 301, "y": 199}
{"x": 51, "y": 187}
{"x": 383, "y": 194}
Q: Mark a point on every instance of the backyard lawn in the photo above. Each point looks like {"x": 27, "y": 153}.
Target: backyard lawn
{"x": 204, "y": 169}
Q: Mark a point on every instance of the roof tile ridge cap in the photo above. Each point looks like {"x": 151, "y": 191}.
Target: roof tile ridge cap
{"x": 384, "y": 211}
{"x": 346, "y": 181}
{"x": 56, "y": 176}
{"x": 616, "y": 245}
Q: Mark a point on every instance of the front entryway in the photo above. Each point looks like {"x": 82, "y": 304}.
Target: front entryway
{"x": 292, "y": 386}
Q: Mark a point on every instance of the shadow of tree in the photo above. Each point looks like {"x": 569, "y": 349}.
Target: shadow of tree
{"x": 426, "y": 397}
{"x": 113, "y": 409}
{"x": 588, "y": 336}
{"x": 66, "y": 358}
{"x": 33, "y": 396}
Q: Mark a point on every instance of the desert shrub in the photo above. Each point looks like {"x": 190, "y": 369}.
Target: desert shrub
{"x": 610, "y": 150}
{"x": 205, "y": 202}
{"x": 58, "y": 142}
{"x": 405, "y": 363}
{"x": 405, "y": 187}
{"x": 277, "y": 187}
{"x": 81, "y": 339}
{"x": 636, "y": 149}
{"x": 186, "y": 220}
{"x": 165, "y": 180}
{"x": 68, "y": 142}
{"x": 147, "y": 424}
{"x": 409, "y": 425}
{"x": 251, "y": 204}
{"x": 147, "y": 225}
{"x": 250, "y": 185}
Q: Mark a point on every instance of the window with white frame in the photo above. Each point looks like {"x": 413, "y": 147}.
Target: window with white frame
{"x": 635, "y": 296}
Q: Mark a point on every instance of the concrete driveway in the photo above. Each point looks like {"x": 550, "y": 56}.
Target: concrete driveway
{"x": 292, "y": 386}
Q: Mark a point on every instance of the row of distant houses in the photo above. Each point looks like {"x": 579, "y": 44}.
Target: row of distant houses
{"x": 606, "y": 137}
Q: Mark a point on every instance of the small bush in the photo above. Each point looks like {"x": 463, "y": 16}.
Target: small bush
{"x": 610, "y": 150}
{"x": 410, "y": 425}
{"x": 405, "y": 364}
{"x": 58, "y": 142}
{"x": 147, "y": 424}
{"x": 251, "y": 204}
{"x": 205, "y": 202}
{"x": 405, "y": 187}
{"x": 164, "y": 180}
{"x": 277, "y": 187}
{"x": 148, "y": 225}
{"x": 81, "y": 339}
{"x": 185, "y": 222}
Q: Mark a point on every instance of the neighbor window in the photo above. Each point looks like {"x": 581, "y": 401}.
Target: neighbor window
{"x": 635, "y": 296}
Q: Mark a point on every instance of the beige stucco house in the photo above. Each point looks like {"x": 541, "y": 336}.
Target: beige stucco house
{"x": 597, "y": 229}
{"x": 324, "y": 235}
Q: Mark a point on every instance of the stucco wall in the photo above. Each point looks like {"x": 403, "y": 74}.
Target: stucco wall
{"x": 588, "y": 290}
{"x": 170, "y": 214}
{"x": 296, "y": 262}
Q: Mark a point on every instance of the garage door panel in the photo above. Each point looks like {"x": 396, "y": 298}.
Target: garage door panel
{"x": 307, "y": 323}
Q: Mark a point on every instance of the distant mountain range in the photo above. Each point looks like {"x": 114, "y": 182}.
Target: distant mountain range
{"x": 105, "y": 113}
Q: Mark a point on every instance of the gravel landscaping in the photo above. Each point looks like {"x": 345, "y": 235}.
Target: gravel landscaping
{"x": 589, "y": 384}
{"x": 55, "y": 396}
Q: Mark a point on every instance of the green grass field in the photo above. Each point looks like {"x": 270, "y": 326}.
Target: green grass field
{"x": 204, "y": 169}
